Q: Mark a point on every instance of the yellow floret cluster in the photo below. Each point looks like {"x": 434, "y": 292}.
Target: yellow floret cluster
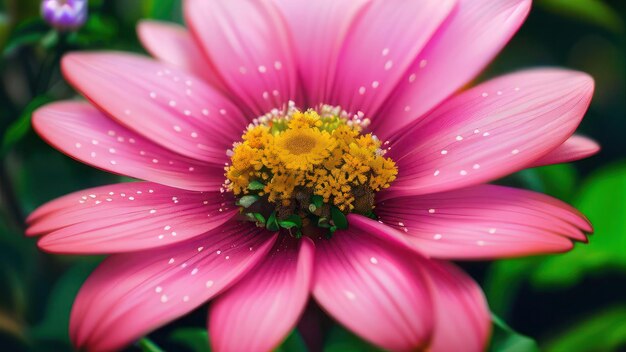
{"x": 325, "y": 155}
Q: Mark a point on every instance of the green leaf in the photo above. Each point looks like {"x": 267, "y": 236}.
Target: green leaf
{"x": 595, "y": 12}
{"x": 317, "y": 200}
{"x": 291, "y": 222}
{"x": 146, "y": 345}
{"x": 259, "y": 217}
{"x": 511, "y": 273}
{"x": 293, "y": 343}
{"x": 27, "y": 33}
{"x": 56, "y": 319}
{"x": 603, "y": 200}
{"x": 323, "y": 222}
{"x": 195, "y": 339}
{"x": 504, "y": 339}
{"x": 255, "y": 186}
{"x": 556, "y": 180}
{"x": 21, "y": 126}
{"x": 339, "y": 219}
{"x": 169, "y": 10}
{"x": 50, "y": 39}
{"x": 341, "y": 340}
{"x": 248, "y": 200}
{"x": 272, "y": 224}
{"x": 604, "y": 331}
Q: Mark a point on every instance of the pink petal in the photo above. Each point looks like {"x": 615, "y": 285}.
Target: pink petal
{"x": 373, "y": 286}
{"x": 260, "y": 311}
{"x": 172, "y": 43}
{"x": 129, "y": 295}
{"x": 86, "y": 134}
{"x": 492, "y": 130}
{"x": 484, "y": 222}
{"x": 161, "y": 102}
{"x": 469, "y": 39}
{"x": 319, "y": 29}
{"x": 463, "y": 320}
{"x": 575, "y": 148}
{"x": 127, "y": 217}
{"x": 250, "y": 47}
{"x": 381, "y": 45}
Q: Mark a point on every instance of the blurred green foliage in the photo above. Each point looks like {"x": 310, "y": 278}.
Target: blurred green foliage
{"x": 605, "y": 331}
{"x": 505, "y": 339}
{"x": 570, "y": 302}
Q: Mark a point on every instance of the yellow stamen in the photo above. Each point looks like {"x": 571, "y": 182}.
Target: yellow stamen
{"x": 305, "y": 153}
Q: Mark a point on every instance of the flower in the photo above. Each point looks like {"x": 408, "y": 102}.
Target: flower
{"x": 296, "y": 148}
{"x": 64, "y": 14}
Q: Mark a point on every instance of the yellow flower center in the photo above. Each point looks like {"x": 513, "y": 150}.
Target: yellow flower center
{"x": 296, "y": 170}
{"x": 298, "y": 142}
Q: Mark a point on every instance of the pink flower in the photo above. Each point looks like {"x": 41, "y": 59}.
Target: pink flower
{"x": 176, "y": 241}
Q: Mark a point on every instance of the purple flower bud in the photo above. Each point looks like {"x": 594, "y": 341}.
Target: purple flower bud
{"x": 64, "y": 14}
